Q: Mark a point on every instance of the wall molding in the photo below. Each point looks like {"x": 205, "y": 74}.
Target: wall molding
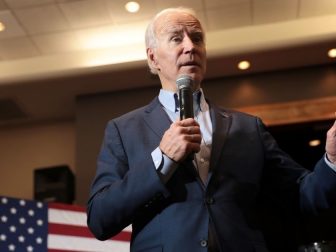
{"x": 294, "y": 112}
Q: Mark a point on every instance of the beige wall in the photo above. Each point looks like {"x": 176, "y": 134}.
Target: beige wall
{"x": 26, "y": 148}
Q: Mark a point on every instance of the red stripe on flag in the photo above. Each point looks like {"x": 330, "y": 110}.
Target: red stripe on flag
{"x": 60, "y": 229}
{"x": 60, "y": 206}
{"x": 62, "y": 250}
{"x": 122, "y": 236}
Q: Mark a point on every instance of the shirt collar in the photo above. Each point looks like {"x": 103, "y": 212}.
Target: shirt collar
{"x": 169, "y": 100}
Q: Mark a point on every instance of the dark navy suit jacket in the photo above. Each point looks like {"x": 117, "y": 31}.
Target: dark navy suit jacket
{"x": 246, "y": 166}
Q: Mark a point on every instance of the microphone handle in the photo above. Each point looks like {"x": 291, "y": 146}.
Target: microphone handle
{"x": 187, "y": 109}
{"x": 186, "y": 103}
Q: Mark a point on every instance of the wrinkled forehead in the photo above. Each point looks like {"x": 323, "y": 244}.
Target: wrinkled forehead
{"x": 177, "y": 21}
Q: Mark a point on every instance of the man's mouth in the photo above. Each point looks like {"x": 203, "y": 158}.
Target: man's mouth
{"x": 190, "y": 63}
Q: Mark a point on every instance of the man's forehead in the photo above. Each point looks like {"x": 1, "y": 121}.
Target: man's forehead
{"x": 174, "y": 22}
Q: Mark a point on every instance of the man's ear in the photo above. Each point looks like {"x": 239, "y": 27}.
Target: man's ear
{"x": 152, "y": 59}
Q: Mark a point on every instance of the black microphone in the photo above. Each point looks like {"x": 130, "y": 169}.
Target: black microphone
{"x": 185, "y": 87}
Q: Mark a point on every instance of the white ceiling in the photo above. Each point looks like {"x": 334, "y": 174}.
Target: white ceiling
{"x": 54, "y": 50}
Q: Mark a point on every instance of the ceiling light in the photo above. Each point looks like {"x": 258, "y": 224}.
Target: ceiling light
{"x": 332, "y": 53}
{"x": 314, "y": 143}
{"x": 132, "y": 7}
{"x": 243, "y": 65}
{"x": 2, "y": 27}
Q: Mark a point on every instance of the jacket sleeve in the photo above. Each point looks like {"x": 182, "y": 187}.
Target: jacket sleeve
{"x": 118, "y": 192}
{"x": 316, "y": 190}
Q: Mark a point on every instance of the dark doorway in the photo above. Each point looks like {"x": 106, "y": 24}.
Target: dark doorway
{"x": 296, "y": 140}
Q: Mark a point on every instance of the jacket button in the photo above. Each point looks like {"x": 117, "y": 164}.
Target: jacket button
{"x": 204, "y": 243}
{"x": 209, "y": 200}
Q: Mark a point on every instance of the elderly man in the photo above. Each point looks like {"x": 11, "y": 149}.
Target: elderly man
{"x": 195, "y": 184}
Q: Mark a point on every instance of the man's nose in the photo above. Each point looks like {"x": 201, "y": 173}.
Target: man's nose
{"x": 188, "y": 44}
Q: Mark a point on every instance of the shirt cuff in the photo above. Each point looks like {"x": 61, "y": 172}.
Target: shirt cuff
{"x": 163, "y": 164}
{"x": 331, "y": 165}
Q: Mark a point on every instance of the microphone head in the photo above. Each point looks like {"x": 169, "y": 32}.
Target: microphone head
{"x": 185, "y": 81}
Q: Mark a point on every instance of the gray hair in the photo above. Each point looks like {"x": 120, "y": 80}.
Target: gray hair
{"x": 150, "y": 35}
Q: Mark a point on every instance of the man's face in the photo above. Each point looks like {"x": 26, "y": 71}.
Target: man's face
{"x": 180, "y": 49}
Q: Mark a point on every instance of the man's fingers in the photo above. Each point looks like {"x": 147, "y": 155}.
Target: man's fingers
{"x": 188, "y": 122}
{"x": 191, "y": 130}
{"x": 196, "y": 138}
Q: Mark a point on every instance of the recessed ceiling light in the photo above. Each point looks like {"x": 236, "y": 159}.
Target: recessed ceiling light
{"x": 332, "y": 53}
{"x": 243, "y": 65}
{"x": 132, "y": 7}
{"x": 2, "y": 27}
{"x": 314, "y": 143}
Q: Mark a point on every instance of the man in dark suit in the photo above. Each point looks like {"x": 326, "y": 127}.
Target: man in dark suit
{"x": 211, "y": 202}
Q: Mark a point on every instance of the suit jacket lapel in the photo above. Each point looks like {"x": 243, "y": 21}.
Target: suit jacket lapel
{"x": 156, "y": 118}
{"x": 221, "y": 122}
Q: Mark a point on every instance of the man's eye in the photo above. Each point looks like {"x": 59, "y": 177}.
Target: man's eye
{"x": 197, "y": 39}
{"x": 176, "y": 39}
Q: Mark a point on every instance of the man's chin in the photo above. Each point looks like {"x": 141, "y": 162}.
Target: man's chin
{"x": 193, "y": 73}
{"x": 197, "y": 77}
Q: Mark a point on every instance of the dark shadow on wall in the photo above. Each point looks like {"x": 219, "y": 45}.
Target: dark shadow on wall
{"x": 286, "y": 232}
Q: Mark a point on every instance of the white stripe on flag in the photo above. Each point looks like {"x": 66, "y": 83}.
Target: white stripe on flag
{"x": 61, "y": 242}
{"x": 68, "y": 217}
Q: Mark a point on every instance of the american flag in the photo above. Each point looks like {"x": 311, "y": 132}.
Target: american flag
{"x": 33, "y": 226}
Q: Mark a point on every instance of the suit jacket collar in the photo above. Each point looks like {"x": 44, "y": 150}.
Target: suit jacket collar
{"x": 221, "y": 122}
{"x": 156, "y": 118}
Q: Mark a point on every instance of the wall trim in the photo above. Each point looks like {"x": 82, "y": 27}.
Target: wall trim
{"x": 294, "y": 112}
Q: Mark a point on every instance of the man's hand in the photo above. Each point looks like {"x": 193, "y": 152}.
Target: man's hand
{"x": 181, "y": 139}
{"x": 331, "y": 143}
